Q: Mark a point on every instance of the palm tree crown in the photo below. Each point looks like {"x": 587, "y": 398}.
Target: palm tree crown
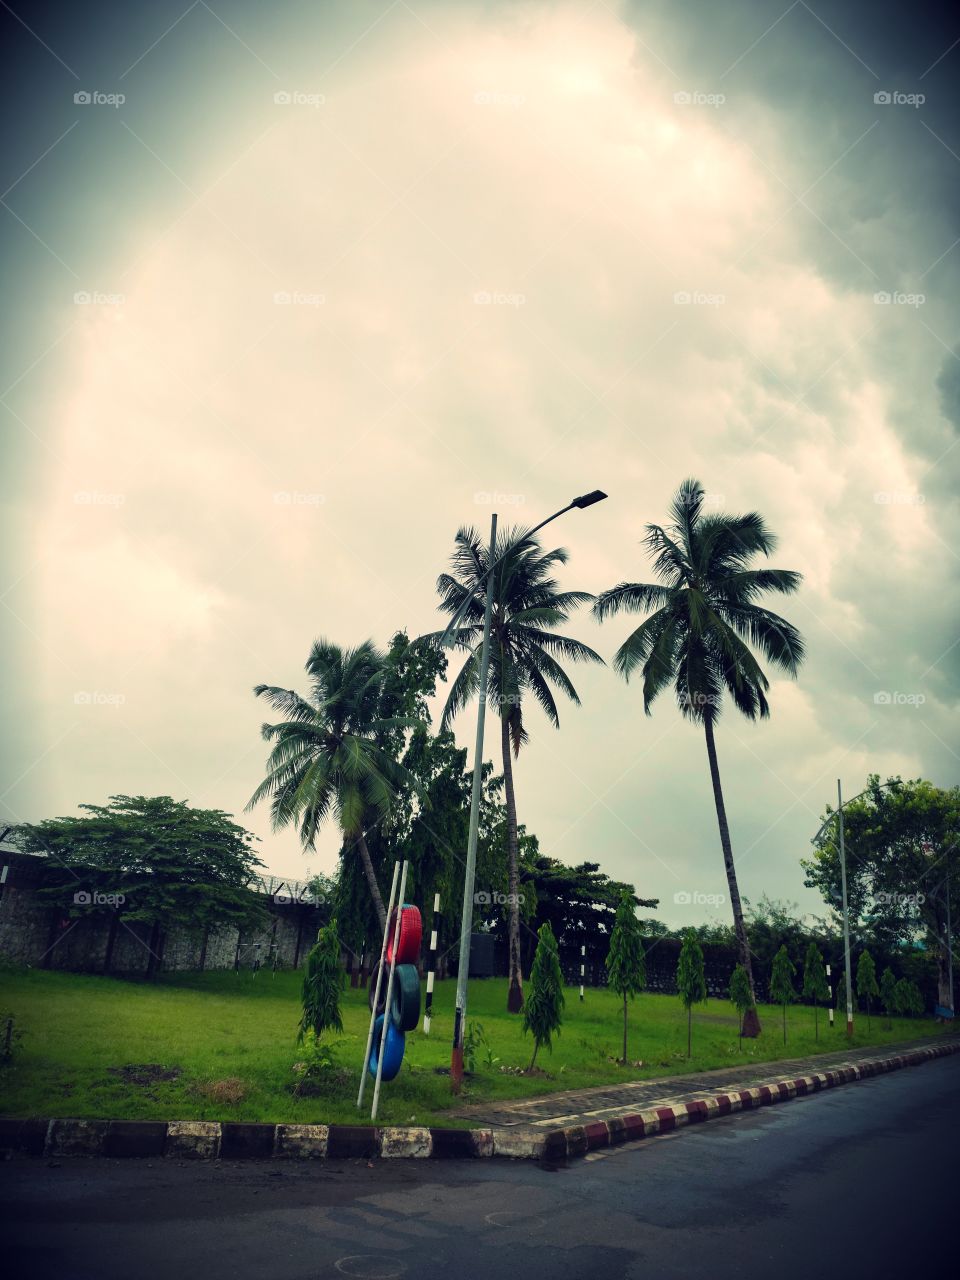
{"x": 524, "y": 652}
{"x": 705, "y": 615}
{"x": 327, "y": 759}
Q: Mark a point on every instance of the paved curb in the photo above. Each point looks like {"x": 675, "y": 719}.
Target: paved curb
{"x": 210, "y": 1140}
{"x": 577, "y": 1140}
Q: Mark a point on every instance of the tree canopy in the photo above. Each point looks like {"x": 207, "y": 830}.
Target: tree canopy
{"x": 150, "y": 859}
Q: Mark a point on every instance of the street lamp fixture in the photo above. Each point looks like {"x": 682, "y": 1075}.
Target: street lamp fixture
{"x": 588, "y": 499}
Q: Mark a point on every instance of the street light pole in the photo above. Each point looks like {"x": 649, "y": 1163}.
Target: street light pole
{"x": 929, "y": 850}
{"x": 949, "y": 940}
{"x": 449, "y": 636}
{"x": 466, "y": 922}
{"x": 843, "y": 884}
{"x": 846, "y": 915}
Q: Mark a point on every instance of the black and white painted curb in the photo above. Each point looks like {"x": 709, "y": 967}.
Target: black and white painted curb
{"x": 577, "y": 1140}
{"x": 211, "y": 1140}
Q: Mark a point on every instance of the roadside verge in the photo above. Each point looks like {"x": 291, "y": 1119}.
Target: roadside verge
{"x": 214, "y": 1140}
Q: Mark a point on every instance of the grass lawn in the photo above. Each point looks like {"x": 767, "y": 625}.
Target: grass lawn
{"x": 222, "y": 1046}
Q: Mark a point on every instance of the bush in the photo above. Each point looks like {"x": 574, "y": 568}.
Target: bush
{"x": 907, "y": 998}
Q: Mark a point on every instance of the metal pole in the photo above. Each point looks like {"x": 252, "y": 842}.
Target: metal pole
{"x": 830, "y": 997}
{"x": 376, "y": 994}
{"x": 949, "y": 938}
{"x": 386, "y": 1007}
{"x": 846, "y": 917}
{"x": 470, "y": 874}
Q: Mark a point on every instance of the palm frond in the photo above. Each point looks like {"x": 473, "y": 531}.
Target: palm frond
{"x": 630, "y": 597}
{"x": 636, "y": 648}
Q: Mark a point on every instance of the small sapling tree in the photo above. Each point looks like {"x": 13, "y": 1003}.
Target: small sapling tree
{"x": 322, "y": 984}
{"x": 741, "y": 997}
{"x": 815, "y": 986}
{"x": 691, "y": 983}
{"x": 867, "y": 981}
{"x": 626, "y": 967}
{"x": 888, "y": 987}
{"x": 781, "y": 984}
{"x": 543, "y": 1007}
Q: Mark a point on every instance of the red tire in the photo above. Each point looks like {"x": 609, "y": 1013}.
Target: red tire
{"x": 411, "y": 934}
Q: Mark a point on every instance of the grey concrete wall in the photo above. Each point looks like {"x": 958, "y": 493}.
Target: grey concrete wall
{"x": 34, "y": 934}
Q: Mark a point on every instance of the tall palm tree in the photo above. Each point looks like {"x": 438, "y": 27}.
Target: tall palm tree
{"x": 524, "y": 655}
{"x": 703, "y": 617}
{"x": 327, "y": 760}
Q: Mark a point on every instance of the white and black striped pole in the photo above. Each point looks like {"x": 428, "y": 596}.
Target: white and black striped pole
{"x": 583, "y": 952}
{"x": 428, "y": 1005}
{"x": 830, "y": 999}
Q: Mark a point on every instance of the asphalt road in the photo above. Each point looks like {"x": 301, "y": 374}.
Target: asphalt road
{"x": 857, "y": 1182}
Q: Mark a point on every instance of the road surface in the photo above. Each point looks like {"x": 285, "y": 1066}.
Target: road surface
{"x": 857, "y": 1181}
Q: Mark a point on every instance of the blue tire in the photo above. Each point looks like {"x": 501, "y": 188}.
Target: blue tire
{"x": 392, "y": 1051}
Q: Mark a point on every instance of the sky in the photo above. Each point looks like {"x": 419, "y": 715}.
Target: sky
{"x": 295, "y": 291}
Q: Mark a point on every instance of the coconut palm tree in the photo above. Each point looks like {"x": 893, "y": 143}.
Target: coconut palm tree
{"x": 524, "y": 663}
{"x": 328, "y": 759}
{"x": 703, "y": 617}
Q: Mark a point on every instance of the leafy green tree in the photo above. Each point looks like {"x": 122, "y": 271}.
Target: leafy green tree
{"x": 427, "y": 820}
{"x": 781, "y": 983}
{"x": 543, "y": 1008}
{"x": 322, "y": 984}
{"x": 772, "y": 923}
{"x": 703, "y": 617}
{"x": 691, "y": 981}
{"x": 579, "y": 902}
{"x": 741, "y": 997}
{"x": 907, "y": 999}
{"x": 815, "y": 985}
{"x": 150, "y": 860}
{"x": 525, "y": 662}
{"x": 867, "y": 981}
{"x": 902, "y": 838}
{"x": 888, "y": 986}
{"x": 626, "y": 966}
{"x": 332, "y": 754}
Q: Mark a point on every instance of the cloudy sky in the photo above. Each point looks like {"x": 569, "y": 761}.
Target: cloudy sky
{"x": 298, "y": 289}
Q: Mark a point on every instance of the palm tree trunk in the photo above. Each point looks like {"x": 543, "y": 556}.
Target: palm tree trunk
{"x": 372, "y": 881}
{"x": 515, "y": 990}
{"x": 751, "y": 1022}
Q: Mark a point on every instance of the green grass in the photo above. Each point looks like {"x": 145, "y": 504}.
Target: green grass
{"x": 223, "y": 1026}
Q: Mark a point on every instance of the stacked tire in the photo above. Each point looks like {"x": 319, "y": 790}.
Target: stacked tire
{"x": 405, "y": 1000}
